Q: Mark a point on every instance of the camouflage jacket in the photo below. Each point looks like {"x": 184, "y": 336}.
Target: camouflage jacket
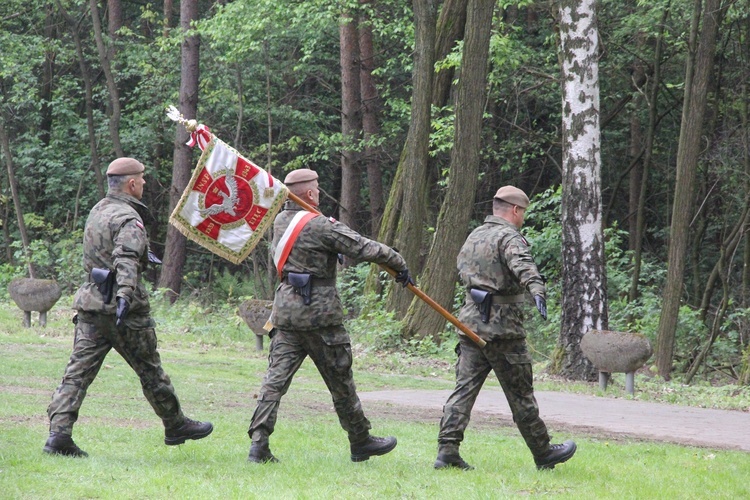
{"x": 115, "y": 239}
{"x": 496, "y": 258}
{"x": 315, "y": 252}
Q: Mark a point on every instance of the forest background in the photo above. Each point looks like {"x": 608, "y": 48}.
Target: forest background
{"x": 413, "y": 115}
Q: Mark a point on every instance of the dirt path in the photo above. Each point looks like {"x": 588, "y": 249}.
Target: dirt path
{"x": 719, "y": 429}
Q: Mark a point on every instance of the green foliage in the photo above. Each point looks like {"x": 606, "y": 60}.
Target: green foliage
{"x": 270, "y": 85}
{"x": 55, "y": 252}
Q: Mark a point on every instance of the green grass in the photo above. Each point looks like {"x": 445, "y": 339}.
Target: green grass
{"x": 217, "y": 372}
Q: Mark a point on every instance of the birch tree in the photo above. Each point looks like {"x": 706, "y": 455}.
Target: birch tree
{"x": 584, "y": 298}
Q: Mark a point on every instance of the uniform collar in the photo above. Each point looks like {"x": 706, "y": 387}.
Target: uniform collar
{"x": 494, "y": 219}
{"x": 290, "y": 205}
{"x": 130, "y": 200}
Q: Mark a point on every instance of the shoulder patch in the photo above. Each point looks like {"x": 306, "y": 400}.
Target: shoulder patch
{"x": 139, "y": 224}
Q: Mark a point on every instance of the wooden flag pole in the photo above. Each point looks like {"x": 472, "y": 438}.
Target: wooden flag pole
{"x": 191, "y": 125}
{"x": 416, "y": 291}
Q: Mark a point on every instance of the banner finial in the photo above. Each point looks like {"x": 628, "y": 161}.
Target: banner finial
{"x": 174, "y": 114}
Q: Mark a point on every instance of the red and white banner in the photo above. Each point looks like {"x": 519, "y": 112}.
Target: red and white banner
{"x": 229, "y": 201}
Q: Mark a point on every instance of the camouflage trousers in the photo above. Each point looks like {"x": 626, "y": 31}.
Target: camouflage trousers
{"x": 330, "y": 350}
{"x": 511, "y": 362}
{"x": 95, "y": 336}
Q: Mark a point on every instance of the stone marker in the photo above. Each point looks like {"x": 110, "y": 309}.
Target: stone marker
{"x": 616, "y": 352}
{"x": 31, "y": 294}
{"x": 256, "y": 312}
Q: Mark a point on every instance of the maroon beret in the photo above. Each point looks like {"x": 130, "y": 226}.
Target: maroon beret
{"x": 512, "y": 195}
{"x": 300, "y": 175}
{"x": 125, "y": 166}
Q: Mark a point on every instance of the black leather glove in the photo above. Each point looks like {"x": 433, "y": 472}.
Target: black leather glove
{"x": 541, "y": 304}
{"x": 404, "y": 278}
{"x": 123, "y": 306}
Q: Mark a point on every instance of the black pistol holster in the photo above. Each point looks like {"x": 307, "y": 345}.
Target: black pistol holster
{"x": 302, "y": 284}
{"x": 483, "y": 300}
{"x": 104, "y": 279}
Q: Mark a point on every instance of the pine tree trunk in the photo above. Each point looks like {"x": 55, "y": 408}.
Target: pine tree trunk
{"x": 351, "y": 120}
{"x": 175, "y": 246}
{"x": 370, "y": 122}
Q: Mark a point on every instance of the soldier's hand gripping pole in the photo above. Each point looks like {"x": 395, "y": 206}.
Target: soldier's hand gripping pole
{"x": 416, "y": 291}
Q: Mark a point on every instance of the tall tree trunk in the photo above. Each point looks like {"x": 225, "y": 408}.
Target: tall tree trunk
{"x": 88, "y": 97}
{"x": 370, "y": 123}
{"x": 5, "y": 207}
{"x": 584, "y": 288}
{"x": 114, "y": 93}
{"x": 5, "y": 145}
{"x": 451, "y": 25}
{"x": 648, "y": 149}
{"x": 457, "y": 207}
{"x": 351, "y": 120}
{"x": 114, "y": 23}
{"x": 175, "y": 246}
{"x": 636, "y": 172}
{"x": 450, "y": 29}
{"x": 408, "y": 229}
{"x": 167, "y": 12}
{"x": 746, "y": 160}
{"x": 48, "y": 72}
{"x": 702, "y": 49}
{"x": 744, "y": 375}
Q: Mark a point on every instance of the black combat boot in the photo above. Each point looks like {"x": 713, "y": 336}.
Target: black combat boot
{"x": 190, "y": 429}
{"x": 371, "y": 447}
{"x": 451, "y": 460}
{"x": 62, "y": 444}
{"x": 557, "y": 454}
{"x": 260, "y": 453}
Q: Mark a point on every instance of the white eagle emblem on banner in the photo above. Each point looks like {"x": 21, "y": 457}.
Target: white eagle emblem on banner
{"x": 229, "y": 201}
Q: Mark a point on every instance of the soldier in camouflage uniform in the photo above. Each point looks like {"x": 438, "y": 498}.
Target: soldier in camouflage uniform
{"x": 316, "y": 329}
{"x": 113, "y": 311}
{"x": 496, "y": 267}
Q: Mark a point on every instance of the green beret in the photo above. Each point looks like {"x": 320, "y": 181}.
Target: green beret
{"x": 125, "y": 166}
{"x": 300, "y": 175}
{"x": 512, "y": 195}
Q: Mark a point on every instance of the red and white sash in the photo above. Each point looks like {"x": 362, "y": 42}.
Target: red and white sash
{"x": 289, "y": 237}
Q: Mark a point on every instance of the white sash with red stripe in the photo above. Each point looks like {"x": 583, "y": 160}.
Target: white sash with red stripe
{"x": 289, "y": 237}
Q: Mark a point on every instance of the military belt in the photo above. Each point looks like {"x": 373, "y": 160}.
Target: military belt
{"x": 503, "y": 299}
{"x": 315, "y": 281}
{"x": 508, "y": 299}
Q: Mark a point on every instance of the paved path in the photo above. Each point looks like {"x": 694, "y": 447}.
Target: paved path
{"x": 722, "y": 429}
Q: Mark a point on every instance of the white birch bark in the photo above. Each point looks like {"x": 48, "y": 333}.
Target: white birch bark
{"x": 584, "y": 302}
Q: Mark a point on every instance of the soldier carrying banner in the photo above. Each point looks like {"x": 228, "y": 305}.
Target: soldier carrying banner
{"x": 308, "y": 317}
